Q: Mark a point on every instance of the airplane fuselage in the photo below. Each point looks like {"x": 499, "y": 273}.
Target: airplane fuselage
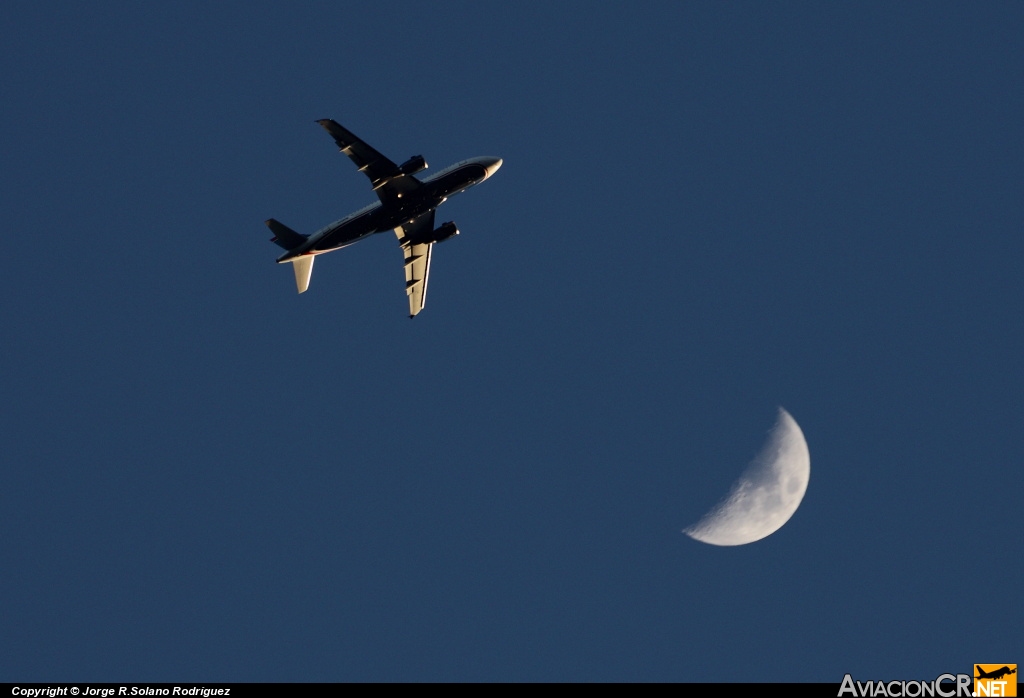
{"x": 380, "y": 217}
{"x": 407, "y": 205}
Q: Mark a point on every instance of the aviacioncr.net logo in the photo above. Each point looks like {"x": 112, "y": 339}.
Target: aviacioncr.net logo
{"x": 944, "y": 686}
{"x": 995, "y": 680}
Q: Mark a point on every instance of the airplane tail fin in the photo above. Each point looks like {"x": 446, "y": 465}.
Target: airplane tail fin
{"x": 303, "y": 267}
{"x": 284, "y": 236}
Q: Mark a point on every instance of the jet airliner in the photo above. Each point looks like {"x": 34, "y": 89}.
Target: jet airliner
{"x": 406, "y": 205}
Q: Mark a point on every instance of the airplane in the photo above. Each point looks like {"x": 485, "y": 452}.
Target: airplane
{"x": 994, "y": 674}
{"x": 406, "y": 205}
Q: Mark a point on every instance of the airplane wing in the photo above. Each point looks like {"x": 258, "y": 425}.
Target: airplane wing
{"x": 386, "y": 178}
{"x": 417, "y": 259}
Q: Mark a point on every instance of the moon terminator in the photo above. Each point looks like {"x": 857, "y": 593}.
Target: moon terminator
{"x": 767, "y": 493}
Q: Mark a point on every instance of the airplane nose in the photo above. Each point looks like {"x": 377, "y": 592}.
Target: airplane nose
{"x": 491, "y": 166}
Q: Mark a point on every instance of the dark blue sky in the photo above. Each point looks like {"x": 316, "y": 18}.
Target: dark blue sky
{"x": 705, "y": 211}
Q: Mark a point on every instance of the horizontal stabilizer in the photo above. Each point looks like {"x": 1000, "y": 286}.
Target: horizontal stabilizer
{"x": 285, "y": 236}
{"x": 303, "y": 270}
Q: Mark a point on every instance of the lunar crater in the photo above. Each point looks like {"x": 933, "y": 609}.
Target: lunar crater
{"x": 766, "y": 495}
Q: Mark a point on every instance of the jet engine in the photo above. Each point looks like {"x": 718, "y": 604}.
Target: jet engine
{"x": 413, "y": 165}
{"x": 447, "y": 230}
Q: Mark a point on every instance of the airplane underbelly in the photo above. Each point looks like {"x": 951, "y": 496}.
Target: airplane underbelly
{"x": 458, "y": 180}
{"x": 347, "y": 233}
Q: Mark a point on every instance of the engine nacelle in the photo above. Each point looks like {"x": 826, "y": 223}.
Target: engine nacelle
{"x": 447, "y": 230}
{"x": 413, "y": 165}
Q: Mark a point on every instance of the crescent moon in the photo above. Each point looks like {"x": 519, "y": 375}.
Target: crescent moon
{"x": 767, "y": 493}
